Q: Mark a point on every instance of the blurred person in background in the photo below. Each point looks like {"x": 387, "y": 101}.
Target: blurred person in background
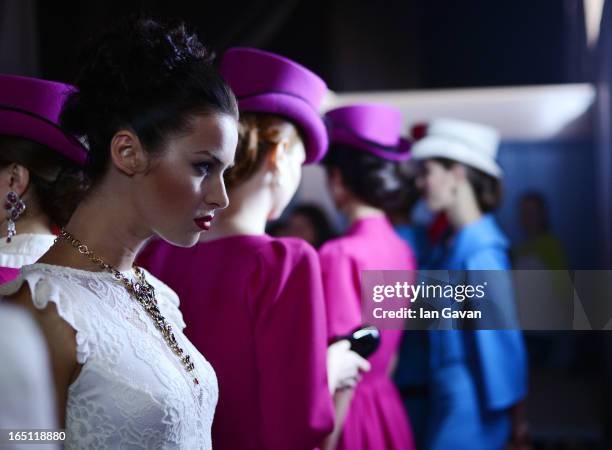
{"x": 42, "y": 181}
{"x": 416, "y": 234}
{"x": 27, "y": 398}
{"x": 277, "y": 228}
{"x": 258, "y": 312}
{"x": 40, "y": 177}
{"x": 309, "y": 222}
{"x": 469, "y": 387}
{"x": 540, "y": 249}
{"x": 366, "y": 173}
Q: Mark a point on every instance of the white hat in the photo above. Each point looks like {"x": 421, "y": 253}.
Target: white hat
{"x": 472, "y": 144}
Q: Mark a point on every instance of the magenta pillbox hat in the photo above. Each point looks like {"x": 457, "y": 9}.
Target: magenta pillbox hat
{"x": 268, "y": 83}
{"x": 373, "y": 128}
{"x": 30, "y": 108}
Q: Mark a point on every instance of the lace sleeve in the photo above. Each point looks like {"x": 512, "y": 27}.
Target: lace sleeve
{"x": 132, "y": 391}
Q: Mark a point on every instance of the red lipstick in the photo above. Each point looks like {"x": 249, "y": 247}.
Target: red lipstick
{"x": 203, "y": 222}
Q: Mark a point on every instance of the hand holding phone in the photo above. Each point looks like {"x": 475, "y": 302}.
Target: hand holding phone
{"x": 364, "y": 340}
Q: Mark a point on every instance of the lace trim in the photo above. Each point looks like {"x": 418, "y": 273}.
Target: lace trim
{"x": 167, "y": 298}
{"x": 44, "y": 289}
{"x": 131, "y": 391}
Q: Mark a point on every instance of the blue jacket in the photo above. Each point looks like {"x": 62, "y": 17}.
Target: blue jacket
{"x": 472, "y": 377}
{"x": 497, "y": 358}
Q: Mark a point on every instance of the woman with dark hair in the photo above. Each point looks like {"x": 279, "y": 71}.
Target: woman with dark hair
{"x": 40, "y": 177}
{"x": 161, "y": 126}
{"x": 258, "y": 313}
{"x": 366, "y": 174}
{"x": 471, "y": 383}
{"x": 309, "y": 222}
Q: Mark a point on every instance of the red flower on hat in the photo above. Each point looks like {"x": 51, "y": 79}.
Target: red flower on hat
{"x": 419, "y": 131}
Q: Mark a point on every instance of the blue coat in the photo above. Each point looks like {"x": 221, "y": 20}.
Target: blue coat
{"x": 416, "y": 236}
{"x": 472, "y": 377}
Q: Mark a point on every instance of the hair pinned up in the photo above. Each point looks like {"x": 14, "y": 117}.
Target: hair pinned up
{"x": 258, "y": 134}
{"x": 388, "y": 185}
{"x": 146, "y": 76}
{"x": 56, "y": 182}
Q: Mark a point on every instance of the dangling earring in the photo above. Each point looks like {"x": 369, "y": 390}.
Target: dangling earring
{"x": 14, "y": 207}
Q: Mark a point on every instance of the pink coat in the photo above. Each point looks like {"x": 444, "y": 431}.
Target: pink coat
{"x": 254, "y": 307}
{"x": 376, "y": 418}
{"x": 8, "y": 274}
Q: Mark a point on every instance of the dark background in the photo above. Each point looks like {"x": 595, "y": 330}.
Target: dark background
{"x": 360, "y": 45}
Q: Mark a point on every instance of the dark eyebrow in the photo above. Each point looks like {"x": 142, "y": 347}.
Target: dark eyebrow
{"x": 217, "y": 160}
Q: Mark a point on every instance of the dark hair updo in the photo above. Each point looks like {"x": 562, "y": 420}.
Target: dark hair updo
{"x": 56, "y": 183}
{"x": 147, "y": 77}
{"x": 381, "y": 183}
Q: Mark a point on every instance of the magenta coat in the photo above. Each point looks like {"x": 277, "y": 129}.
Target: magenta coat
{"x": 376, "y": 418}
{"x": 254, "y": 307}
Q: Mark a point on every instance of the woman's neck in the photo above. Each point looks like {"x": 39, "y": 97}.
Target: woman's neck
{"x": 356, "y": 211}
{"x": 106, "y": 223}
{"x": 464, "y": 210}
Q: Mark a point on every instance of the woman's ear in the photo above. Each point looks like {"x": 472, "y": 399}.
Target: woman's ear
{"x": 127, "y": 153}
{"x": 336, "y": 185}
{"x": 277, "y": 162}
{"x": 17, "y": 178}
{"x": 278, "y": 155}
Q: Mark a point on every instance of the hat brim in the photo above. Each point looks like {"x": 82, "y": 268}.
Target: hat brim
{"x": 297, "y": 111}
{"x": 438, "y": 147}
{"x": 21, "y": 124}
{"x": 401, "y": 152}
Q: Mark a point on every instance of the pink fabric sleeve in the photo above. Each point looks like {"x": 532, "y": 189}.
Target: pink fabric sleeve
{"x": 341, "y": 289}
{"x": 290, "y": 335}
{"x": 8, "y": 274}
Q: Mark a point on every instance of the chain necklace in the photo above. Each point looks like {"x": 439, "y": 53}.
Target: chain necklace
{"x": 143, "y": 293}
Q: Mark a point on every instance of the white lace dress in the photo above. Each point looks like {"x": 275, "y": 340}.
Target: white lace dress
{"x": 132, "y": 391}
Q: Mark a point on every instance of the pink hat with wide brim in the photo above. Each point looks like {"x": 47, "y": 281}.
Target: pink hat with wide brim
{"x": 268, "y": 83}
{"x": 373, "y": 128}
{"x": 30, "y": 108}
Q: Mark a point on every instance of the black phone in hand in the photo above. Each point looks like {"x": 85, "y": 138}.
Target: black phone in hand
{"x": 364, "y": 340}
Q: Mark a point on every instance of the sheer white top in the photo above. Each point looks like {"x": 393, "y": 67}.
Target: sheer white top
{"x": 132, "y": 391}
